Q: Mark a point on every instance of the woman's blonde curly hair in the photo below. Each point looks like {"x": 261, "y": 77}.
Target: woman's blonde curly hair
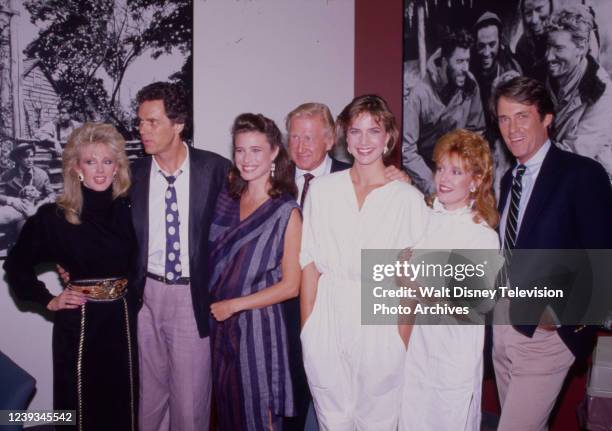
{"x": 71, "y": 200}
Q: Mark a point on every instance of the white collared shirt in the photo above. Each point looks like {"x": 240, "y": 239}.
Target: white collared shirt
{"x": 157, "y": 216}
{"x": 323, "y": 169}
{"x": 530, "y": 176}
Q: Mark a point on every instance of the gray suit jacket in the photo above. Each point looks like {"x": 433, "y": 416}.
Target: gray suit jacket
{"x": 208, "y": 174}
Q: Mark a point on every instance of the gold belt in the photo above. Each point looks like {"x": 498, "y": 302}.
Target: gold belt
{"x": 107, "y": 289}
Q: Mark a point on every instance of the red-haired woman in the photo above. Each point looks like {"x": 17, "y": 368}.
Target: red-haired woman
{"x": 443, "y": 368}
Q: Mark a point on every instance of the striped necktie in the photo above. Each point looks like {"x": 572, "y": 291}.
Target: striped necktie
{"x": 512, "y": 222}
{"x": 307, "y": 178}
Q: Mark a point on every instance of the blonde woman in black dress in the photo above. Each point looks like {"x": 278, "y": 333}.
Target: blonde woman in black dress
{"x": 89, "y": 233}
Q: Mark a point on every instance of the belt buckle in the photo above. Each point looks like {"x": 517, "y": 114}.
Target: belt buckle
{"x": 164, "y": 279}
{"x": 108, "y": 285}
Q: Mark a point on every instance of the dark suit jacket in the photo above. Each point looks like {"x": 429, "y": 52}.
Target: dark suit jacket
{"x": 208, "y": 173}
{"x": 337, "y": 165}
{"x": 570, "y": 207}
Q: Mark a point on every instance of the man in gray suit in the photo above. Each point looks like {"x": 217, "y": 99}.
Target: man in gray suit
{"x": 174, "y": 192}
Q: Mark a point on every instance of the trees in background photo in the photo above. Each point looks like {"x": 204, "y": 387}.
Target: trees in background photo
{"x": 65, "y": 62}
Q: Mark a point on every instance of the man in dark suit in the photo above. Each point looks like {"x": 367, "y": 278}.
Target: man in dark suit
{"x": 551, "y": 199}
{"x": 174, "y": 192}
{"x": 310, "y": 136}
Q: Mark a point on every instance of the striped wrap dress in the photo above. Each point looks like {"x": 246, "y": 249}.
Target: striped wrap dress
{"x": 251, "y": 377}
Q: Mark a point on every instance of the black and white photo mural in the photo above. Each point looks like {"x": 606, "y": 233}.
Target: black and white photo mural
{"x": 457, "y": 51}
{"x": 66, "y": 62}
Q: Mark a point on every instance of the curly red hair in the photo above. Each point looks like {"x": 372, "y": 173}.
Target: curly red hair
{"x": 474, "y": 153}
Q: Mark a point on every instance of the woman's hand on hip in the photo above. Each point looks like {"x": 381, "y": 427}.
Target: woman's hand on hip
{"x": 67, "y": 300}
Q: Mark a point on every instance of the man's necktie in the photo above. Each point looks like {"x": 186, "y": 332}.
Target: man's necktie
{"x": 512, "y": 222}
{"x": 173, "y": 243}
{"x": 307, "y": 178}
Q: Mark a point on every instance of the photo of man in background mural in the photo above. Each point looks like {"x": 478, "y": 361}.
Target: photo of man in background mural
{"x": 558, "y": 42}
{"x": 492, "y": 56}
{"x": 26, "y": 188}
{"x": 57, "y": 130}
{"x": 446, "y": 99}
{"x": 580, "y": 88}
{"x": 531, "y": 47}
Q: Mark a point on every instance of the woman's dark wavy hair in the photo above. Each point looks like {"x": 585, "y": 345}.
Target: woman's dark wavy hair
{"x": 283, "y": 180}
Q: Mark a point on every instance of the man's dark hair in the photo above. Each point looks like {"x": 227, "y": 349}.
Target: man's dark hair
{"x": 19, "y": 152}
{"x": 527, "y": 91}
{"x": 488, "y": 19}
{"x": 455, "y": 39}
{"x": 173, "y": 96}
{"x": 550, "y": 2}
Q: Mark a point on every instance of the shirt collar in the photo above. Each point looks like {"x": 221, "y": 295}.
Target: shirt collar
{"x": 438, "y": 207}
{"x": 318, "y": 171}
{"x": 535, "y": 162}
{"x": 183, "y": 168}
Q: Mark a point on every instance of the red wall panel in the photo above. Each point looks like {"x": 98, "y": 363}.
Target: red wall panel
{"x": 378, "y": 52}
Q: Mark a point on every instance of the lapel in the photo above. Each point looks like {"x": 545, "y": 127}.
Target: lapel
{"x": 504, "y": 190}
{"x": 140, "y": 204}
{"x": 542, "y": 189}
{"x": 199, "y": 188}
{"x": 337, "y": 165}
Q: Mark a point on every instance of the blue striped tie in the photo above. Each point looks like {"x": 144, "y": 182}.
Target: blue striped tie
{"x": 512, "y": 222}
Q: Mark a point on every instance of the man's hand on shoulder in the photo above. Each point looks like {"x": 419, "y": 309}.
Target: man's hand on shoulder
{"x": 392, "y": 173}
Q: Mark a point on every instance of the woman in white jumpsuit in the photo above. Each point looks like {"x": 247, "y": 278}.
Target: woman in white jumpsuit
{"x": 354, "y": 371}
{"x": 443, "y": 367}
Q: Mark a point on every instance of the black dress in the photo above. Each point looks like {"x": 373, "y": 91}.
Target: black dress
{"x": 94, "y": 347}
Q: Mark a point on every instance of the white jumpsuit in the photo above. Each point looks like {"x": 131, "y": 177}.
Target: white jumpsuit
{"x": 354, "y": 371}
{"x": 443, "y": 367}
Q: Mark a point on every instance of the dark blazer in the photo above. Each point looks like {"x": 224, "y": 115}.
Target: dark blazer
{"x": 570, "y": 207}
{"x": 208, "y": 173}
{"x": 337, "y": 165}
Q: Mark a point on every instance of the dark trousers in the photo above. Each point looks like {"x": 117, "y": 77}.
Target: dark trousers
{"x": 301, "y": 393}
